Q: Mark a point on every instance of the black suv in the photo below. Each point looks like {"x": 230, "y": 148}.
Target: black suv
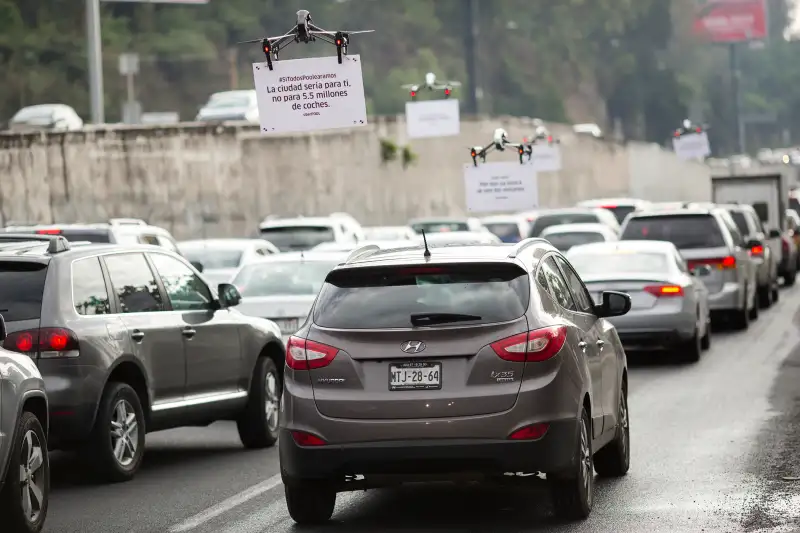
{"x": 131, "y": 339}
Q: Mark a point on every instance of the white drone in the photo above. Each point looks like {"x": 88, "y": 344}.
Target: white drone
{"x": 431, "y": 84}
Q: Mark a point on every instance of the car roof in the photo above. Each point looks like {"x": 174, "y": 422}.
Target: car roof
{"x": 460, "y": 220}
{"x": 301, "y": 256}
{"x": 673, "y": 212}
{"x": 300, "y": 222}
{"x": 578, "y": 227}
{"x": 737, "y": 207}
{"x": 631, "y": 246}
{"x": 383, "y": 244}
{"x": 461, "y": 236}
{"x": 501, "y": 219}
{"x": 567, "y": 210}
{"x": 599, "y": 202}
{"x": 220, "y": 243}
{"x": 38, "y": 249}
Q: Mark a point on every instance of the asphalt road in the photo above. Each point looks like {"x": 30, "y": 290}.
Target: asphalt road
{"x": 715, "y": 447}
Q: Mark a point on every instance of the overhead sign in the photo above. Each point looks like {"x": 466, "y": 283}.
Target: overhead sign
{"x": 730, "y": 21}
{"x": 128, "y": 64}
{"x": 432, "y": 118}
{"x": 500, "y": 187}
{"x": 546, "y": 157}
{"x": 310, "y": 94}
{"x": 692, "y": 146}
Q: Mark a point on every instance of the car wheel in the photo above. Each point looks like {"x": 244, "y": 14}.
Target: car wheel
{"x": 614, "y": 459}
{"x": 26, "y": 493}
{"x": 705, "y": 342}
{"x": 573, "y": 492}
{"x": 789, "y": 278}
{"x": 754, "y": 310}
{"x": 116, "y": 444}
{"x": 309, "y": 503}
{"x": 690, "y": 350}
{"x": 741, "y": 317}
{"x": 258, "y": 423}
{"x": 776, "y": 293}
{"x": 765, "y": 297}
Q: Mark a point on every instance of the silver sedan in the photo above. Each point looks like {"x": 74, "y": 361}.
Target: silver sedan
{"x": 669, "y": 303}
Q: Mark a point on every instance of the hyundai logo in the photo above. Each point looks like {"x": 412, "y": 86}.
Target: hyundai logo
{"x": 413, "y": 346}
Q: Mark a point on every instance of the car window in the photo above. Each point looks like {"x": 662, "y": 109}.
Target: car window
{"x": 736, "y": 235}
{"x": 134, "y": 283}
{"x": 681, "y": 263}
{"x": 545, "y": 221}
{"x": 754, "y": 223}
{"x": 149, "y": 239}
{"x": 684, "y": 231}
{"x": 186, "y": 292}
{"x": 213, "y": 257}
{"x": 506, "y": 231}
{"x": 605, "y": 263}
{"x": 89, "y": 292}
{"x": 565, "y": 241}
{"x": 579, "y": 294}
{"x": 288, "y": 238}
{"x": 557, "y": 284}
{"x": 282, "y": 278}
{"x": 168, "y": 243}
{"x": 439, "y": 227}
{"x": 388, "y": 296}
{"x": 621, "y": 211}
{"x": 740, "y": 220}
{"x": 21, "y": 290}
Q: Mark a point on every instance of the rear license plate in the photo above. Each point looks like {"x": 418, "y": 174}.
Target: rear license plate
{"x": 287, "y": 325}
{"x": 415, "y": 376}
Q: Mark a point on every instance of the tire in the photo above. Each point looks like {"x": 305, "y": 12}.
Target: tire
{"x": 741, "y": 317}
{"x": 753, "y": 313}
{"x": 16, "y": 515}
{"x": 614, "y": 459}
{"x": 309, "y": 504}
{"x": 573, "y": 491}
{"x": 116, "y": 446}
{"x": 776, "y": 293}
{"x": 258, "y": 423}
{"x": 705, "y": 342}
{"x": 790, "y": 278}
{"x": 765, "y": 297}
{"x": 690, "y": 350}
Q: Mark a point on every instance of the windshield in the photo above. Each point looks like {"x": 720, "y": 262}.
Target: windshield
{"x": 545, "y": 221}
{"x": 228, "y": 101}
{"x": 214, "y": 258}
{"x": 21, "y": 289}
{"x": 288, "y": 238}
{"x": 615, "y": 263}
{"x": 684, "y": 231}
{"x": 621, "y": 211}
{"x": 565, "y": 241}
{"x": 741, "y": 222}
{"x": 283, "y": 278}
{"x": 439, "y": 227}
{"x": 506, "y": 231}
{"x": 387, "y": 297}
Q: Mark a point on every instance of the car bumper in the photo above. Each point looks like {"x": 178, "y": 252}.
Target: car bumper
{"x": 727, "y": 299}
{"x": 72, "y": 392}
{"x": 390, "y": 462}
{"x": 655, "y": 329}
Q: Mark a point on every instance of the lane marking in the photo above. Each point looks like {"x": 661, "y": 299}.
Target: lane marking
{"x": 226, "y": 505}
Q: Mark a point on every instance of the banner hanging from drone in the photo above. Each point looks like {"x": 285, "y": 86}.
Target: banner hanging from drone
{"x": 432, "y": 118}
{"x": 546, "y": 157}
{"x": 310, "y": 94}
{"x": 501, "y": 187}
{"x": 692, "y": 146}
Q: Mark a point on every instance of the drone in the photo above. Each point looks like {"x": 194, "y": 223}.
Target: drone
{"x": 432, "y": 85}
{"x": 499, "y": 143}
{"x": 305, "y": 31}
{"x": 541, "y": 135}
{"x": 687, "y": 128}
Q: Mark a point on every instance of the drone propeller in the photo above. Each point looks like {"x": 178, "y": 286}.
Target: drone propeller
{"x": 270, "y": 39}
{"x": 345, "y": 32}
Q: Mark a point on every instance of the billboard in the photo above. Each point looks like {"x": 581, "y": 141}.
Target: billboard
{"x": 730, "y": 21}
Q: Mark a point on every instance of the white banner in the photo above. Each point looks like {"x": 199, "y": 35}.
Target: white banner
{"x": 310, "y": 94}
{"x": 546, "y": 157}
{"x": 432, "y": 118}
{"x": 692, "y": 146}
{"x": 500, "y": 187}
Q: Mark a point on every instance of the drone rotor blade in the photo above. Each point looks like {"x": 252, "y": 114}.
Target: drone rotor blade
{"x": 321, "y": 32}
{"x": 251, "y": 41}
{"x": 454, "y": 83}
{"x": 357, "y": 31}
{"x": 408, "y": 86}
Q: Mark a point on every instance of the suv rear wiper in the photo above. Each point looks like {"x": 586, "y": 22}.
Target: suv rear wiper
{"x": 428, "y": 319}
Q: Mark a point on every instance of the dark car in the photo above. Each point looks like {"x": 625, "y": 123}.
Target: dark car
{"x": 476, "y": 362}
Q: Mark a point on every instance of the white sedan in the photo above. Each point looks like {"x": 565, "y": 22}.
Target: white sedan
{"x": 219, "y": 259}
{"x": 565, "y": 236}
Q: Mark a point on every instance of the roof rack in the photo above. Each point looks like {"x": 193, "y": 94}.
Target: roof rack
{"x": 55, "y": 243}
{"x": 127, "y": 222}
{"x": 521, "y": 245}
{"x": 361, "y": 253}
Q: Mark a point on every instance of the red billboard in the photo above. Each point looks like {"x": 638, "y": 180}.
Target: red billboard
{"x": 730, "y": 21}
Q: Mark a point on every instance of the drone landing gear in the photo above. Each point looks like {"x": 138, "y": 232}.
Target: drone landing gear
{"x": 340, "y": 41}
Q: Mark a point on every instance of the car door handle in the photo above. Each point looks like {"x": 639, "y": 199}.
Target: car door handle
{"x": 189, "y": 332}
{"x": 137, "y": 335}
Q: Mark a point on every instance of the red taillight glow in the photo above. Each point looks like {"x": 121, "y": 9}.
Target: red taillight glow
{"x": 307, "y": 439}
{"x": 531, "y": 347}
{"x": 721, "y": 263}
{"x": 44, "y": 340}
{"x": 532, "y": 432}
{"x": 757, "y": 250}
{"x": 608, "y": 206}
{"x": 664, "y": 290}
{"x": 302, "y": 354}
{"x": 48, "y": 231}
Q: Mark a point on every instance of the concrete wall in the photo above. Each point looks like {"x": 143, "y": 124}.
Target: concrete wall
{"x": 222, "y": 180}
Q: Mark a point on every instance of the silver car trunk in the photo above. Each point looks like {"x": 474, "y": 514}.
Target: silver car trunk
{"x": 714, "y": 258}
{"x": 631, "y": 283}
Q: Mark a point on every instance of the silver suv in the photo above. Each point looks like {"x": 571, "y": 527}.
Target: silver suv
{"x": 707, "y": 237}
{"x": 24, "y": 464}
{"x": 131, "y": 339}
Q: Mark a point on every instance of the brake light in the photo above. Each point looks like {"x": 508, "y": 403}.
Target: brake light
{"x": 664, "y": 290}
{"x": 48, "y": 231}
{"x": 302, "y": 354}
{"x": 307, "y": 439}
{"x": 43, "y": 342}
{"x": 721, "y": 263}
{"x": 757, "y": 250}
{"x": 532, "y": 432}
{"x": 608, "y": 206}
{"x": 533, "y": 346}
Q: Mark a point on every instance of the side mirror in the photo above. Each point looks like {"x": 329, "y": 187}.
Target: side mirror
{"x": 701, "y": 270}
{"x": 774, "y": 234}
{"x": 228, "y": 295}
{"x": 2, "y": 329}
{"x": 614, "y": 304}
{"x": 197, "y": 265}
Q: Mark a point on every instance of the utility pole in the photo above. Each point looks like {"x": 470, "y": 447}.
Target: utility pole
{"x": 736, "y": 78}
{"x": 95, "y": 55}
{"x": 470, "y": 47}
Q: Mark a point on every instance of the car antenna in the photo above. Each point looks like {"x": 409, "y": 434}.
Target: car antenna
{"x": 427, "y": 252}
{"x": 302, "y": 256}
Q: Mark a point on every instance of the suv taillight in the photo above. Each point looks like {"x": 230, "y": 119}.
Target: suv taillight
{"x": 534, "y": 346}
{"x": 43, "y": 342}
{"x": 302, "y": 354}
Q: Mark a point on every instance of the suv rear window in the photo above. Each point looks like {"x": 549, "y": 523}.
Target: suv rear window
{"x": 545, "y": 221}
{"x": 565, "y": 241}
{"x": 684, "y": 231}
{"x": 21, "y": 289}
{"x": 386, "y": 297}
{"x": 288, "y": 238}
